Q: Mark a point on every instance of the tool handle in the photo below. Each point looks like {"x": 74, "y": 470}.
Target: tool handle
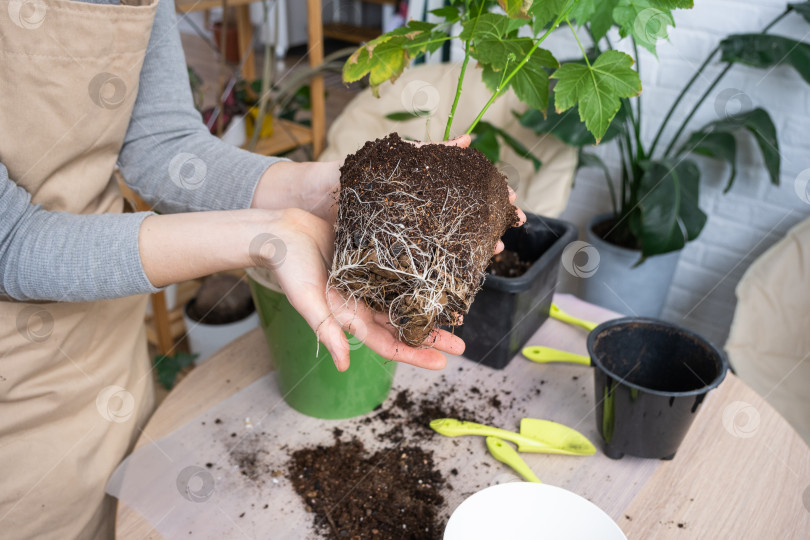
{"x": 506, "y": 454}
{"x": 542, "y": 355}
{"x": 561, "y": 315}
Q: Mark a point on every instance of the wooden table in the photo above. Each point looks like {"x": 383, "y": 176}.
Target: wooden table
{"x": 745, "y": 480}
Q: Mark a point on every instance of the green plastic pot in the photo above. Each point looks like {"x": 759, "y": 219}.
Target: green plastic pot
{"x": 307, "y": 377}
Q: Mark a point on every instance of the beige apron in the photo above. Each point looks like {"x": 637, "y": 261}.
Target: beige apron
{"x": 75, "y": 386}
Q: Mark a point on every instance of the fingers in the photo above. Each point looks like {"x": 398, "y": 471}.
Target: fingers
{"x": 512, "y": 194}
{"x": 521, "y": 216}
{"x": 498, "y": 247}
{"x": 462, "y": 141}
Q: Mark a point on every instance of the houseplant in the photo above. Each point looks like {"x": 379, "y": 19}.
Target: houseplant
{"x": 221, "y": 311}
{"x": 655, "y": 207}
{"x": 507, "y": 47}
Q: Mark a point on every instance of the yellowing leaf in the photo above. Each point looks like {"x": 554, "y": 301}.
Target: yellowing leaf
{"x": 597, "y": 89}
{"x": 516, "y": 8}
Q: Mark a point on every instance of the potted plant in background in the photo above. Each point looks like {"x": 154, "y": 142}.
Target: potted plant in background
{"x": 221, "y": 311}
{"x": 655, "y": 209}
{"x": 506, "y": 45}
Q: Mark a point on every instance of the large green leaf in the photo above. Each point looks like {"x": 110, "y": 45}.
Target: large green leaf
{"x": 802, "y": 9}
{"x": 669, "y": 214}
{"x": 715, "y": 144}
{"x": 759, "y": 124}
{"x": 766, "y": 50}
{"x": 597, "y": 89}
{"x": 646, "y": 20}
{"x": 384, "y": 58}
{"x": 567, "y": 126}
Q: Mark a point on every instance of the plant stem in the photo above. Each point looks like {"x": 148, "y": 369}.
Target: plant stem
{"x": 505, "y": 84}
{"x": 458, "y": 92}
{"x": 581, "y": 48}
{"x": 639, "y": 149}
{"x": 689, "y": 84}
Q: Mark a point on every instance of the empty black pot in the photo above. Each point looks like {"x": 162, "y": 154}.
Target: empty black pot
{"x": 650, "y": 378}
{"x": 507, "y": 311}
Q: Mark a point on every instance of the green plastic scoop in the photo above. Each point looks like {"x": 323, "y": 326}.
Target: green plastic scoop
{"x": 539, "y": 436}
{"x": 542, "y": 355}
{"x": 503, "y": 452}
{"x": 561, "y": 315}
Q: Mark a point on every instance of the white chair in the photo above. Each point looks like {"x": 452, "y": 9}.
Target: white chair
{"x": 769, "y": 343}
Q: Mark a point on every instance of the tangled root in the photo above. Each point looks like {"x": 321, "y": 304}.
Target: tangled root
{"x": 415, "y": 230}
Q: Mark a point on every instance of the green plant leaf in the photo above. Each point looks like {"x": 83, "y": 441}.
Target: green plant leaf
{"x": 516, "y": 8}
{"x": 760, "y": 125}
{"x": 601, "y": 19}
{"x": 404, "y": 116}
{"x": 669, "y": 214}
{"x": 715, "y": 144}
{"x": 646, "y": 20}
{"x": 168, "y": 367}
{"x": 544, "y": 12}
{"x": 384, "y": 58}
{"x": 486, "y": 142}
{"x": 491, "y": 148}
{"x": 450, "y": 14}
{"x": 766, "y": 50}
{"x": 597, "y": 89}
{"x": 489, "y": 26}
{"x": 567, "y": 126}
{"x": 802, "y": 9}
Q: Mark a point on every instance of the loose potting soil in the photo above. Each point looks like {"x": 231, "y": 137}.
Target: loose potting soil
{"x": 416, "y": 228}
{"x": 507, "y": 264}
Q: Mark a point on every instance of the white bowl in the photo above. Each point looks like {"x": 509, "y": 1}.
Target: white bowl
{"x": 523, "y": 510}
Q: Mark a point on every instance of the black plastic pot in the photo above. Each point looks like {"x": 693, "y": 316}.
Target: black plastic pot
{"x": 507, "y": 311}
{"x": 650, "y": 378}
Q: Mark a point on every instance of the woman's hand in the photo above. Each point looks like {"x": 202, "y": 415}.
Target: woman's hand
{"x": 302, "y": 266}
{"x": 314, "y": 187}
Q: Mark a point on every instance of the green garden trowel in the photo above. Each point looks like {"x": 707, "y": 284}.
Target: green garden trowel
{"x": 543, "y": 355}
{"x": 503, "y": 452}
{"x": 561, "y": 315}
{"x": 540, "y": 436}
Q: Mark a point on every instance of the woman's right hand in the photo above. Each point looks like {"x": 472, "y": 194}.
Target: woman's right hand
{"x": 299, "y": 250}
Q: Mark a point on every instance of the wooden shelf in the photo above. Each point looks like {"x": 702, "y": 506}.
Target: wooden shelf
{"x": 350, "y": 32}
{"x": 286, "y": 136}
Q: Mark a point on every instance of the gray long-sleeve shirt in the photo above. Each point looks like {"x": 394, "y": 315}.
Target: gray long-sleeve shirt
{"x": 60, "y": 256}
